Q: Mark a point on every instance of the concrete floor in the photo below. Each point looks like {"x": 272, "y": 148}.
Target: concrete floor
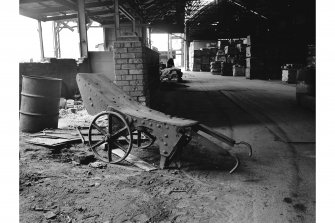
{"x": 278, "y": 183}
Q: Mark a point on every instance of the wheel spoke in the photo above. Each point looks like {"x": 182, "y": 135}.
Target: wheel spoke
{"x": 109, "y": 153}
{"x": 98, "y": 144}
{"x": 119, "y": 133}
{"x": 118, "y": 145}
{"x": 114, "y": 134}
{"x": 99, "y": 129}
{"x": 139, "y": 139}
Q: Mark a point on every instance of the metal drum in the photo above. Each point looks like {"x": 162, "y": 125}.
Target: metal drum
{"x": 39, "y": 103}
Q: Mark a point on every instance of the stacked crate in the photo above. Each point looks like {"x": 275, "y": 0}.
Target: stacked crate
{"x": 255, "y": 67}
{"x": 200, "y": 59}
{"x": 289, "y": 73}
{"x": 235, "y": 57}
{"x": 195, "y": 60}
{"x": 216, "y": 67}
{"x": 238, "y": 70}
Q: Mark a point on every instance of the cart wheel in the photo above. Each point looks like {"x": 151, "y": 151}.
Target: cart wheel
{"x": 146, "y": 139}
{"x": 109, "y": 131}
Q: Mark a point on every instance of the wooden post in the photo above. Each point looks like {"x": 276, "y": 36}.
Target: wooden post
{"x": 134, "y": 26}
{"x": 169, "y": 46}
{"x": 41, "y": 39}
{"x": 149, "y": 37}
{"x": 55, "y": 28}
{"x": 117, "y": 19}
{"x": 83, "y": 45}
{"x": 182, "y": 51}
{"x": 186, "y": 47}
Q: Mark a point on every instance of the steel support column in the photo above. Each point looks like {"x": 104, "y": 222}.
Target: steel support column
{"x": 83, "y": 45}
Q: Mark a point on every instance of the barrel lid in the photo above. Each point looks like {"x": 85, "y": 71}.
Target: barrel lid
{"x": 42, "y": 78}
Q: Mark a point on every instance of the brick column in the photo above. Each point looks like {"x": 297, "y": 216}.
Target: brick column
{"x": 130, "y": 70}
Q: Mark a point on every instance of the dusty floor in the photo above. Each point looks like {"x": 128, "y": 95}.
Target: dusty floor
{"x": 276, "y": 185}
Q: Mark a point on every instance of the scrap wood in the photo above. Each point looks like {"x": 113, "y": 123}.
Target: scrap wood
{"x": 55, "y": 135}
{"x": 177, "y": 190}
{"x": 135, "y": 160}
{"x": 51, "y": 141}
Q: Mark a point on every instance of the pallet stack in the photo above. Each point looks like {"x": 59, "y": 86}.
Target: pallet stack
{"x": 202, "y": 58}
{"x": 231, "y": 53}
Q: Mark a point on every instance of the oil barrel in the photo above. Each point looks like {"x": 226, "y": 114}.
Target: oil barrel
{"x": 39, "y": 103}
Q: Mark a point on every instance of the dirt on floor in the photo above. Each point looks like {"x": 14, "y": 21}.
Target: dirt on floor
{"x": 265, "y": 188}
{"x": 55, "y": 188}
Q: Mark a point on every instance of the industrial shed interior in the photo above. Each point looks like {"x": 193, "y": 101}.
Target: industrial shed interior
{"x": 215, "y": 122}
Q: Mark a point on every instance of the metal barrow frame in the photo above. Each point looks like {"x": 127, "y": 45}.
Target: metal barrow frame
{"x": 121, "y": 123}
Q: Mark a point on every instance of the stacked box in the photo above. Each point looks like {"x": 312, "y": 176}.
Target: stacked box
{"x": 216, "y": 67}
{"x": 195, "y": 61}
{"x": 222, "y": 44}
{"x": 255, "y": 67}
{"x": 289, "y": 75}
{"x": 238, "y": 71}
{"x": 230, "y": 50}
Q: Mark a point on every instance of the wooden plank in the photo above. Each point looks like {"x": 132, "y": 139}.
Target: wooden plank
{"x": 135, "y": 160}
{"x": 51, "y": 142}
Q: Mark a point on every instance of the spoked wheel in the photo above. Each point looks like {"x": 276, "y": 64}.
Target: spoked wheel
{"x": 107, "y": 135}
{"x": 142, "y": 139}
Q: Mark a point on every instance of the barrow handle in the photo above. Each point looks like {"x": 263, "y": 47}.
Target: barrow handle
{"x": 215, "y": 134}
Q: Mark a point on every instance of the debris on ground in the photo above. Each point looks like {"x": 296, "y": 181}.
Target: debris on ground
{"x": 81, "y": 118}
{"x": 52, "y": 142}
{"x": 50, "y": 215}
{"x": 83, "y": 158}
{"x": 54, "y": 137}
{"x": 97, "y": 164}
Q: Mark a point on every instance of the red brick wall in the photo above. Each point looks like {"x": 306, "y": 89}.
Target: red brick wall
{"x": 136, "y": 68}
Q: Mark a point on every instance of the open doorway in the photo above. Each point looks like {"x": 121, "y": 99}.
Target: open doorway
{"x": 169, "y": 46}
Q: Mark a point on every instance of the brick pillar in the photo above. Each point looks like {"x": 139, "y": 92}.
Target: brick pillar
{"x": 130, "y": 69}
